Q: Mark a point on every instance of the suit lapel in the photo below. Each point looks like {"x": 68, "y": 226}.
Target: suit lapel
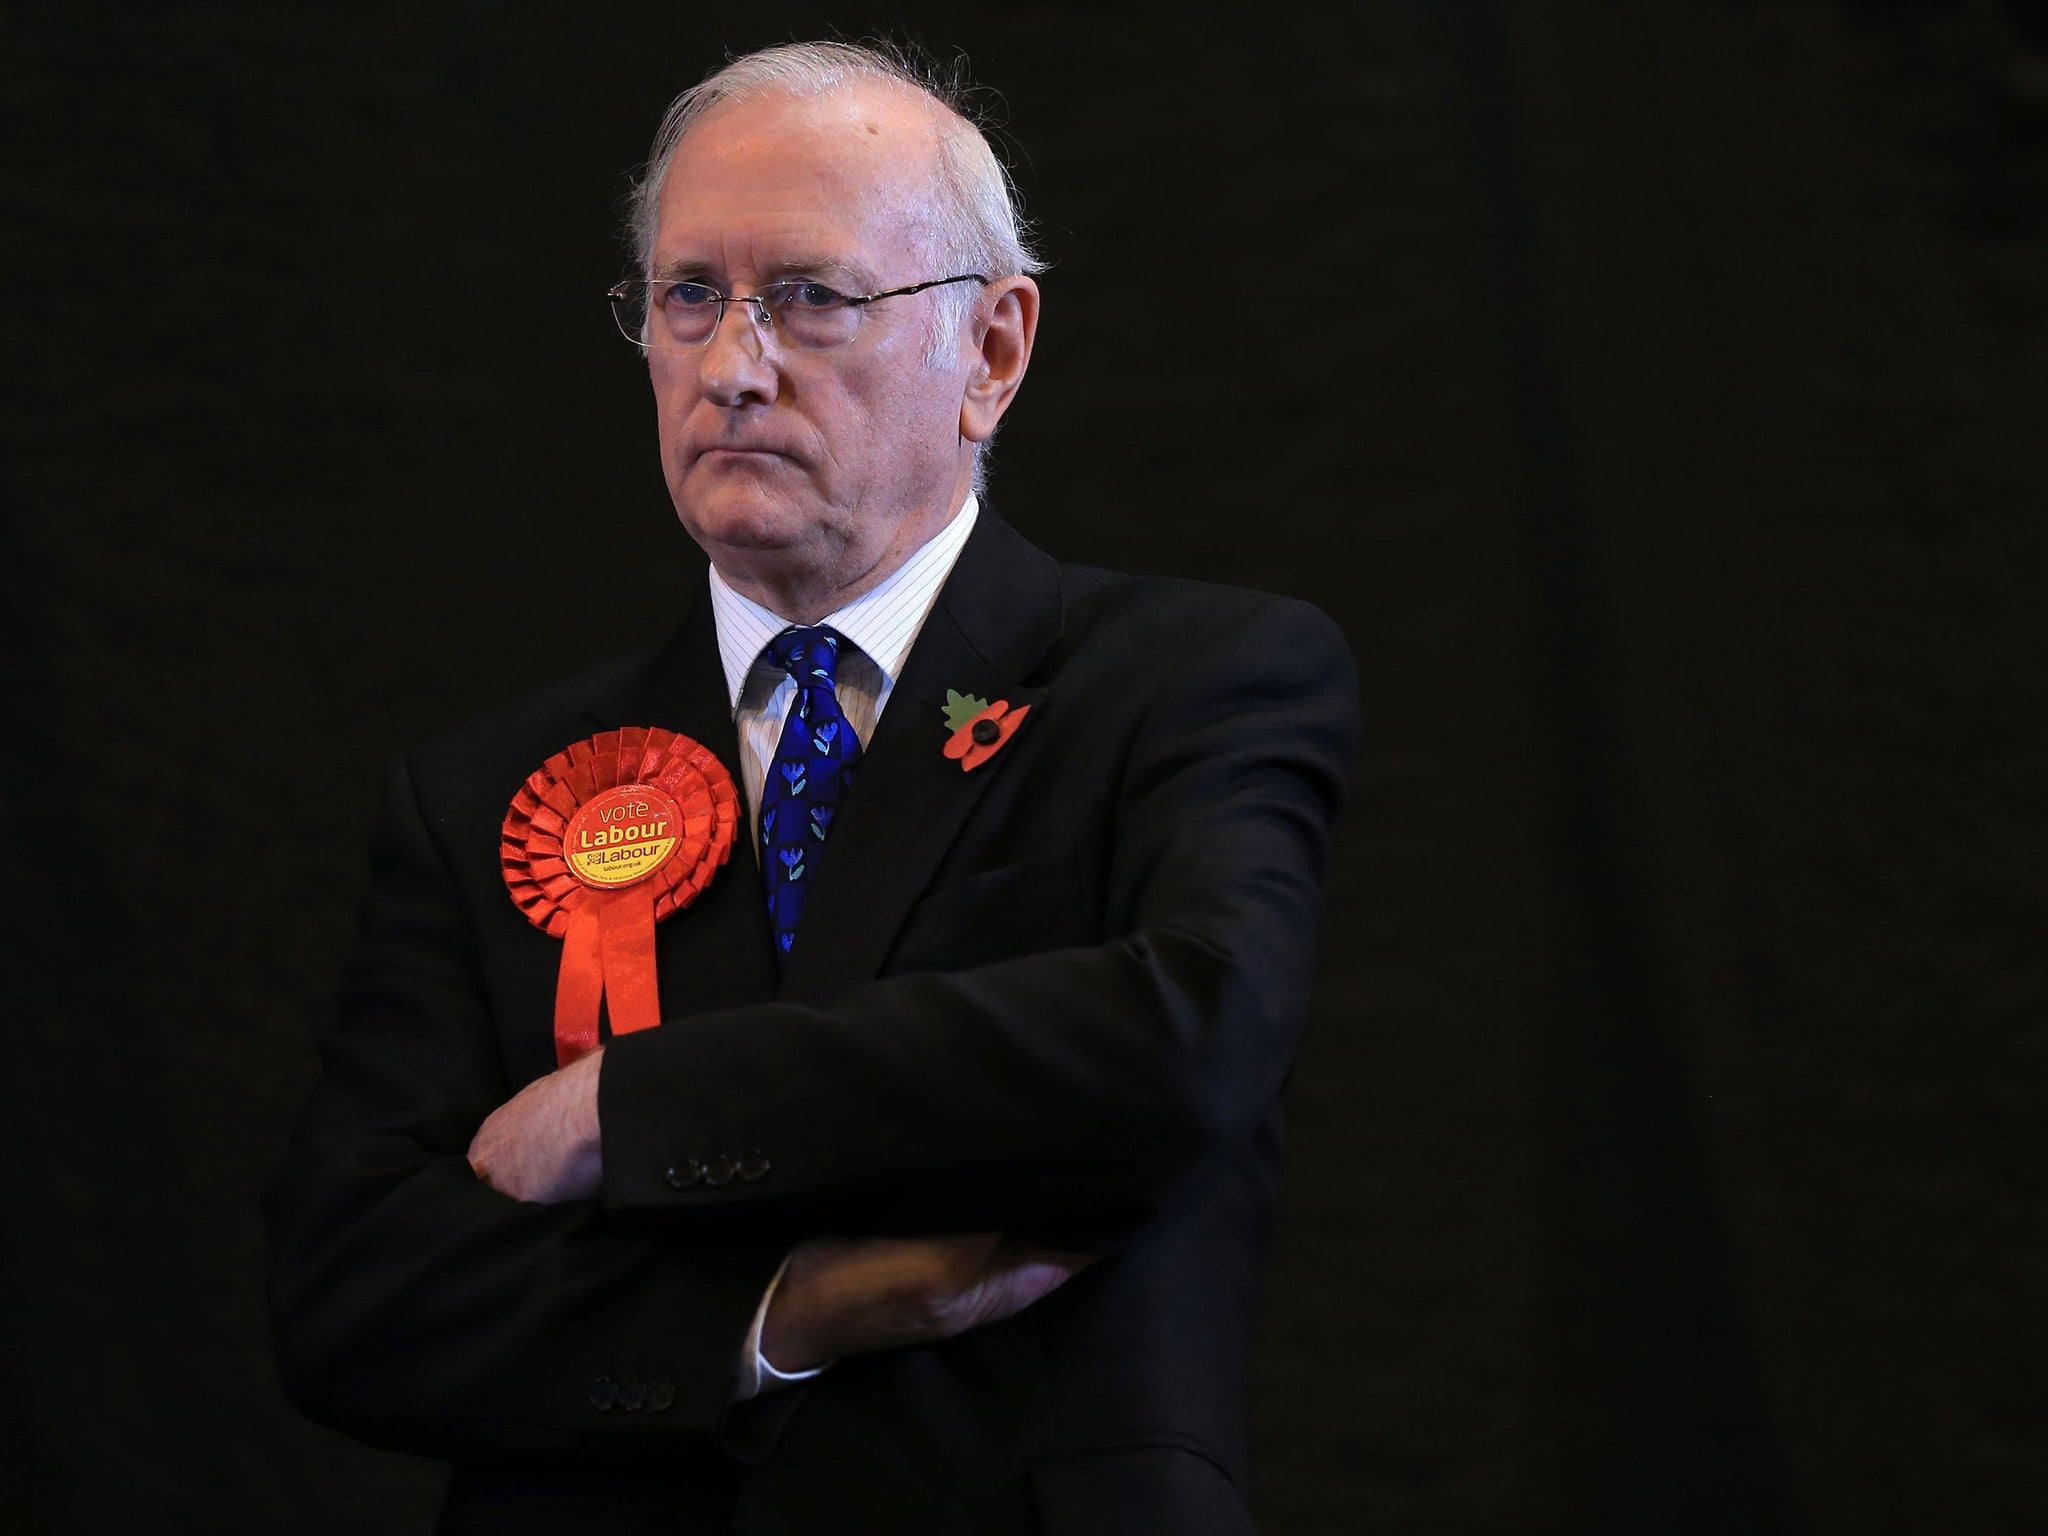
{"x": 995, "y": 619}
{"x": 715, "y": 952}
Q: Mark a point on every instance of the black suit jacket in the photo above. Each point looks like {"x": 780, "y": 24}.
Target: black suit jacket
{"x": 1056, "y": 996}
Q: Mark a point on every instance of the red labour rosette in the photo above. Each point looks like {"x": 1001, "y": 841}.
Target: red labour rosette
{"x": 603, "y": 841}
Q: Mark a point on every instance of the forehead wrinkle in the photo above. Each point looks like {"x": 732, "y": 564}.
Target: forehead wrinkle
{"x": 895, "y": 137}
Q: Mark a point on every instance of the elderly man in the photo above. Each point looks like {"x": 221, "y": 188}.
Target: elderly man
{"x": 907, "y": 1169}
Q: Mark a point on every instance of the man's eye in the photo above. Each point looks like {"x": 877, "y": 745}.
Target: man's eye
{"x": 805, "y": 294}
{"x": 690, "y": 295}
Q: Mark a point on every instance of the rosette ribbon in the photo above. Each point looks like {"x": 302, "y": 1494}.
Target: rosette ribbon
{"x": 603, "y": 841}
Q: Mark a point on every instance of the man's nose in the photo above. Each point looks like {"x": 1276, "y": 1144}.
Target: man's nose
{"x": 736, "y": 366}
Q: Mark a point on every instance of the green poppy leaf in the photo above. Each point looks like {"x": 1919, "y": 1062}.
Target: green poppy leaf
{"x": 961, "y": 708}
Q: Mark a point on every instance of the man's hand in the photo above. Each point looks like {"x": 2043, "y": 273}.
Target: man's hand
{"x": 542, "y": 1143}
{"x": 848, "y": 1296}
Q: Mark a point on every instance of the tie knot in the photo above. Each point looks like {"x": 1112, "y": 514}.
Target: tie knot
{"x": 809, "y": 655}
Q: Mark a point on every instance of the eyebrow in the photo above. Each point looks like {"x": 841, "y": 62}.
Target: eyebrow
{"x": 692, "y": 270}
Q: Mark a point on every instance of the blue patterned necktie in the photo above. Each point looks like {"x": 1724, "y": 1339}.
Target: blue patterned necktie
{"x": 808, "y": 780}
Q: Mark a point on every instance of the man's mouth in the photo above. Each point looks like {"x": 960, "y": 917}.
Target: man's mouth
{"x": 740, "y": 452}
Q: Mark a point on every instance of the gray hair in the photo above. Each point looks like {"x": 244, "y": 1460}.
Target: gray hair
{"x": 978, "y": 223}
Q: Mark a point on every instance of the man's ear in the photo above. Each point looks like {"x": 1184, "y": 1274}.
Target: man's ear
{"x": 1001, "y": 354}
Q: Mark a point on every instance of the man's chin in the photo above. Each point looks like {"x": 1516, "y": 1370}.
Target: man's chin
{"x": 746, "y": 518}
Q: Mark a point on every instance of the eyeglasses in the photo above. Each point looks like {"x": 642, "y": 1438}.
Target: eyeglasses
{"x": 658, "y": 313}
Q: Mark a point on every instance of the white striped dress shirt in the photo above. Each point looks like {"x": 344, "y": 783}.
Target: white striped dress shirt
{"x": 884, "y": 624}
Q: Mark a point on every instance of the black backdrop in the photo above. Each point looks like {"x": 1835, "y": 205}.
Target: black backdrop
{"x": 1653, "y": 391}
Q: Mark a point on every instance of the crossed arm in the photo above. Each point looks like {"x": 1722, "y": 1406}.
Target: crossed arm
{"x": 836, "y": 1296}
{"x": 1060, "y": 1098}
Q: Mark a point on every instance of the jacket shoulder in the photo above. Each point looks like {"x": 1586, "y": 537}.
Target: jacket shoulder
{"x": 512, "y": 739}
{"x": 1168, "y": 608}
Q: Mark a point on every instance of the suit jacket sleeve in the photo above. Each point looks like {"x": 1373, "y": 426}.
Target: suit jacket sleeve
{"x": 416, "y": 1308}
{"x": 1068, "y": 1093}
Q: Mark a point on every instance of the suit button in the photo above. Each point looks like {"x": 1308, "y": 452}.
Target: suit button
{"x": 632, "y": 1393}
{"x": 719, "y": 1171}
{"x": 604, "y": 1392}
{"x": 755, "y": 1165}
{"x": 689, "y": 1171}
{"x": 661, "y": 1394}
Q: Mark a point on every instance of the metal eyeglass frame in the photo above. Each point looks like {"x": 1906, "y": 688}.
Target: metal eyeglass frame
{"x": 764, "y": 314}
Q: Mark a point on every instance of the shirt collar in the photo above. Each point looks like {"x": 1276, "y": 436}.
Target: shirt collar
{"x": 883, "y": 622}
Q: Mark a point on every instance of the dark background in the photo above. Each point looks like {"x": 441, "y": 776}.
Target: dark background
{"x": 1655, "y": 393}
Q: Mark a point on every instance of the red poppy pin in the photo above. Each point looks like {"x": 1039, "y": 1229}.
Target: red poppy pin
{"x": 979, "y": 728}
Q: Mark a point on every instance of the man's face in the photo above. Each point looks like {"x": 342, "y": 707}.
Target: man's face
{"x": 808, "y": 467}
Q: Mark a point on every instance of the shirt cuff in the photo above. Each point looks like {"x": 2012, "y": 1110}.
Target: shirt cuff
{"x": 756, "y": 1375}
